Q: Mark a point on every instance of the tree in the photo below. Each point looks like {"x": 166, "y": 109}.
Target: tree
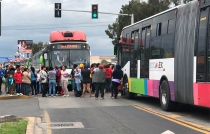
{"x": 141, "y": 10}
{"x": 36, "y": 47}
{"x": 104, "y": 62}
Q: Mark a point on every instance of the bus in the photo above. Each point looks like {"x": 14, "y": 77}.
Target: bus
{"x": 167, "y": 56}
{"x": 67, "y": 47}
{"x": 16, "y": 61}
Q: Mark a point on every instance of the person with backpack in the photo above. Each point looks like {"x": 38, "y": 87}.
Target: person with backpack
{"x": 58, "y": 79}
{"x": 33, "y": 81}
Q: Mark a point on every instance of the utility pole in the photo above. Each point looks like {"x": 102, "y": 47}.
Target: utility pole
{"x": 131, "y": 15}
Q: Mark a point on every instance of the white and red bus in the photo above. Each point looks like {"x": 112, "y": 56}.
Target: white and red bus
{"x": 67, "y": 47}
{"x": 167, "y": 56}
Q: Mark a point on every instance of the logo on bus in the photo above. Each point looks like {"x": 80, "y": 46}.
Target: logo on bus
{"x": 156, "y": 65}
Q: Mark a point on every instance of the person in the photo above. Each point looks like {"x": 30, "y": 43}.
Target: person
{"x": 10, "y": 84}
{"x": 81, "y": 67}
{"x": 6, "y": 78}
{"x": 18, "y": 80}
{"x": 108, "y": 71}
{"x": 43, "y": 76}
{"x": 117, "y": 79}
{"x": 94, "y": 78}
{"x": 58, "y": 79}
{"x": 38, "y": 81}
{"x": 100, "y": 82}
{"x": 92, "y": 85}
{"x": 2, "y": 74}
{"x": 52, "y": 81}
{"x": 64, "y": 81}
{"x": 86, "y": 81}
{"x": 33, "y": 81}
{"x": 77, "y": 76}
{"x": 73, "y": 80}
{"x": 26, "y": 82}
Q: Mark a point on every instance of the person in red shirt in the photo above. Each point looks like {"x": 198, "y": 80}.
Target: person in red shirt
{"x": 108, "y": 71}
{"x": 18, "y": 80}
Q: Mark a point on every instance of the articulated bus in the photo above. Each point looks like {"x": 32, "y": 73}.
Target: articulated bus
{"x": 64, "y": 48}
{"x": 167, "y": 56}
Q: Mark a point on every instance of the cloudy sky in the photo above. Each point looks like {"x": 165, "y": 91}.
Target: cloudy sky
{"x": 34, "y": 20}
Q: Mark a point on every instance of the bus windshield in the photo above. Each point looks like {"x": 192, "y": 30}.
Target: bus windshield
{"x": 70, "y": 57}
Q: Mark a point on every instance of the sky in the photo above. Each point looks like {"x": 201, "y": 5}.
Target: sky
{"x": 34, "y": 20}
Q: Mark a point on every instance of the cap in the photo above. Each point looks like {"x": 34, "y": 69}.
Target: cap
{"x": 81, "y": 65}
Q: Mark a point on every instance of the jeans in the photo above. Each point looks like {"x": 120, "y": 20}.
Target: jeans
{"x": 115, "y": 88}
{"x": 74, "y": 86}
{"x": 99, "y": 87}
{"x": 33, "y": 87}
{"x": 52, "y": 84}
{"x": 78, "y": 86}
{"x": 18, "y": 86}
{"x": 107, "y": 84}
{"x": 26, "y": 87}
{"x": 40, "y": 87}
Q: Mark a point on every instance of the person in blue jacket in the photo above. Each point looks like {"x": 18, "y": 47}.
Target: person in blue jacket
{"x": 2, "y": 74}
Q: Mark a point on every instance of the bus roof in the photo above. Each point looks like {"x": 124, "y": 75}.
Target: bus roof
{"x": 67, "y": 35}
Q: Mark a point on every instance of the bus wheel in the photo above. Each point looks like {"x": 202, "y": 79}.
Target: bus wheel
{"x": 166, "y": 103}
{"x": 128, "y": 95}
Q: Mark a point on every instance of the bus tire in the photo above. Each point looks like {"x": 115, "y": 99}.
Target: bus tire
{"x": 165, "y": 98}
{"x": 128, "y": 94}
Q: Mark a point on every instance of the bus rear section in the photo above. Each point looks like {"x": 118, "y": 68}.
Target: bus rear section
{"x": 167, "y": 56}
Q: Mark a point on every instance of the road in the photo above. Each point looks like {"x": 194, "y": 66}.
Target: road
{"x": 116, "y": 116}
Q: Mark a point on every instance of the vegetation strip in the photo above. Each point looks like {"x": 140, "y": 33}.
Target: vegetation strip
{"x": 194, "y": 126}
{"x": 17, "y": 127}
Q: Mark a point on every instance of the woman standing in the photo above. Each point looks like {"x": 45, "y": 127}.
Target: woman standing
{"x": 117, "y": 79}
{"x": 52, "y": 81}
{"x": 43, "y": 75}
{"x": 108, "y": 71}
{"x": 26, "y": 79}
{"x": 86, "y": 81}
{"x": 38, "y": 82}
{"x": 64, "y": 81}
{"x": 18, "y": 80}
{"x": 33, "y": 81}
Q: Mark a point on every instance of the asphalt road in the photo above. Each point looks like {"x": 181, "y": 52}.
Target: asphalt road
{"x": 115, "y": 116}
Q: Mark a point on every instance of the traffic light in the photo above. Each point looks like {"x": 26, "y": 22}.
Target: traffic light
{"x": 94, "y": 11}
{"x": 57, "y": 10}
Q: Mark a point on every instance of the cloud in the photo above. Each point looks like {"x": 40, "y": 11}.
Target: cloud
{"x": 34, "y": 19}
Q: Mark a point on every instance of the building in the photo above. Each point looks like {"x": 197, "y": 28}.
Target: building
{"x": 98, "y": 59}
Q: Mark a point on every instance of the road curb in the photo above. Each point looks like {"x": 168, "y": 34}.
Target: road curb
{"x": 14, "y": 97}
{"x": 30, "y": 126}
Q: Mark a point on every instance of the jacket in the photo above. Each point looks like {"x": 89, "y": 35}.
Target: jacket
{"x": 11, "y": 71}
{"x": 26, "y": 78}
{"x": 58, "y": 76}
{"x": 2, "y": 73}
{"x": 94, "y": 77}
{"x": 108, "y": 72}
{"x": 43, "y": 76}
{"x": 18, "y": 77}
{"x": 101, "y": 76}
{"x": 10, "y": 81}
{"x": 118, "y": 73}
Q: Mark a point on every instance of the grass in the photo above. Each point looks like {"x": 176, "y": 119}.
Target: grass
{"x": 17, "y": 127}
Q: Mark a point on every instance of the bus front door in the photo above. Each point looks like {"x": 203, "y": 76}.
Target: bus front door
{"x": 203, "y": 51}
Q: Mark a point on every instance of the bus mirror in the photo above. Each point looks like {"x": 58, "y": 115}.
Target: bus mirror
{"x": 115, "y": 50}
{"x": 45, "y": 56}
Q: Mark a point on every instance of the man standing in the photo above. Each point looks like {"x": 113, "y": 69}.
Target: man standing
{"x": 100, "y": 82}
{"x": 2, "y": 74}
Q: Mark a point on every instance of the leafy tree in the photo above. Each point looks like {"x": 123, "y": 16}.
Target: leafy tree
{"x": 104, "y": 62}
{"x": 177, "y": 2}
{"x": 36, "y": 47}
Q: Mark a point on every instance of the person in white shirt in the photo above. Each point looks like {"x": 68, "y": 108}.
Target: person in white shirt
{"x": 64, "y": 81}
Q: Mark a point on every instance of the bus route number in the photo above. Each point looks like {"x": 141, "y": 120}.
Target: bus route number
{"x": 68, "y": 46}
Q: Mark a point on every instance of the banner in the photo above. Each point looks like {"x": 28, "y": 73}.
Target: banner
{"x": 25, "y": 46}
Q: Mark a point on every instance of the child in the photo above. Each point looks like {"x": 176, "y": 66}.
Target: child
{"x": 10, "y": 84}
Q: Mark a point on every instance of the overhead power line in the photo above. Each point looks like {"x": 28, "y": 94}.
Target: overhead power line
{"x": 52, "y": 27}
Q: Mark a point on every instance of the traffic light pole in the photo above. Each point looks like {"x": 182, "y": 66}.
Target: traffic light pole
{"x": 132, "y": 15}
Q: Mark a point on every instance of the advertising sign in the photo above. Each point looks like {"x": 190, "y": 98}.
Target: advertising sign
{"x": 25, "y": 46}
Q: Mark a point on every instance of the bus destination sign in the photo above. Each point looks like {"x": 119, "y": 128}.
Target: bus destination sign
{"x": 68, "y": 46}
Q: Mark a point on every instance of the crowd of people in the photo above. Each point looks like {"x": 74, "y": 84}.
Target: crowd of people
{"x": 54, "y": 81}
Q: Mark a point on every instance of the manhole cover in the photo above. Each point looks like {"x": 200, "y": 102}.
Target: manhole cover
{"x": 62, "y": 125}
